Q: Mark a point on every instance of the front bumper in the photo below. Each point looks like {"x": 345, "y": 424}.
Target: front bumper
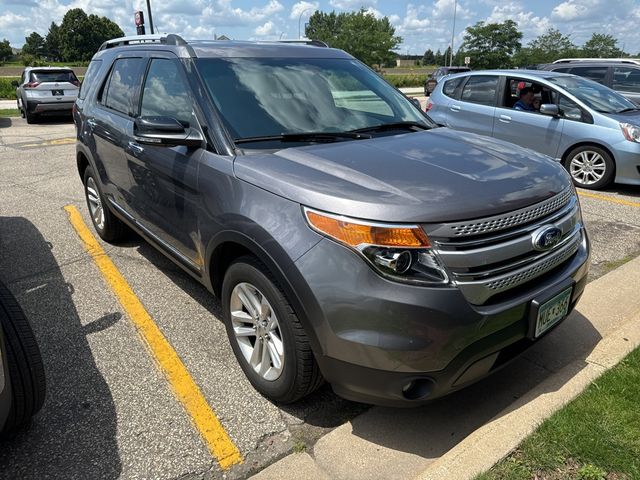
{"x": 394, "y": 344}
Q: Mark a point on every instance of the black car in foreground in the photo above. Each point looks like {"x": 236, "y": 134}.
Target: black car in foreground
{"x": 22, "y": 380}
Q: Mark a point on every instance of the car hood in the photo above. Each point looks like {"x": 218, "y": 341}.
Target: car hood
{"x": 627, "y": 117}
{"x": 431, "y": 176}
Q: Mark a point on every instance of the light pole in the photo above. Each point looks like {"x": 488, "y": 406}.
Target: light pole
{"x": 150, "y": 17}
{"x": 453, "y": 31}
{"x": 300, "y": 18}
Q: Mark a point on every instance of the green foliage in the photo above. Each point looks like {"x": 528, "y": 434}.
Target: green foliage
{"x": 602, "y": 46}
{"x": 492, "y": 45}
{"x": 29, "y": 60}
{"x": 428, "y": 58}
{"x": 8, "y": 91}
{"x": 9, "y": 112}
{"x": 591, "y": 472}
{"x": 5, "y": 51}
{"x": 438, "y": 58}
{"x": 34, "y": 45}
{"x": 409, "y": 80}
{"x": 360, "y": 33}
{"x": 52, "y": 45}
{"x": 546, "y": 48}
{"x": 82, "y": 35}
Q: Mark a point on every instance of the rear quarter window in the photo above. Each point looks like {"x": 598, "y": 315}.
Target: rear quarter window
{"x": 89, "y": 78}
{"x": 450, "y": 86}
{"x": 480, "y": 89}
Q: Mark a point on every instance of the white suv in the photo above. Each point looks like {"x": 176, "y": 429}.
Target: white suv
{"x": 46, "y": 90}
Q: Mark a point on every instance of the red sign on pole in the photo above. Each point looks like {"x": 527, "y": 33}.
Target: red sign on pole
{"x": 139, "y": 16}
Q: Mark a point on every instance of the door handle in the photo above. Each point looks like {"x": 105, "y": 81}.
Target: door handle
{"x": 135, "y": 148}
{"x": 455, "y": 108}
{"x": 505, "y": 118}
{"x": 91, "y": 123}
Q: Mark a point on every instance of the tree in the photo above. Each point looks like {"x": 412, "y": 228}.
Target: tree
{"x": 492, "y": 45}
{"x": 428, "y": 58}
{"x": 447, "y": 56}
{"x": 546, "y": 48}
{"x": 34, "y": 45}
{"x": 82, "y": 35}
{"x": 5, "y": 51}
{"x": 367, "y": 38}
{"x": 52, "y": 46}
{"x": 601, "y": 45}
{"x": 438, "y": 58}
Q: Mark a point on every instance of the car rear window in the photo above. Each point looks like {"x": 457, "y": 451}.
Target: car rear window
{"x": 53, "y": 76}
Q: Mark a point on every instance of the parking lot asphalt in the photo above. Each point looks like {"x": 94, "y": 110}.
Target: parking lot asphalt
{"x": 111, "y": 412}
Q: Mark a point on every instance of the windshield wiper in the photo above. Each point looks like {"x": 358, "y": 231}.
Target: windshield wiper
{"x": 630, "y": 109}
{"x": 412, "y": 126}
{"x": 305, "y": 137}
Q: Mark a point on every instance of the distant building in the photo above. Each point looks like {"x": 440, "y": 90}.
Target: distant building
{"x": 405, "y": 63}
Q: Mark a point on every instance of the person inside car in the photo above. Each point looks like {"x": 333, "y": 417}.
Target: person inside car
{"x": 526, "y": 100}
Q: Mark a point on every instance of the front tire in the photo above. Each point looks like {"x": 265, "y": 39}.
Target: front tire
{"x": 26, "y": 371}
{"x": 109, "y": 227}
{"x": 265, "y": 334}
{"x": 590, "y": 167}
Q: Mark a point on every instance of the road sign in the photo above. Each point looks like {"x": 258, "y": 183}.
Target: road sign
{"x": 467, "y": 60}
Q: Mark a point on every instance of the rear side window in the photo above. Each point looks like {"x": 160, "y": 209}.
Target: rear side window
{"x": 480, "y": 89}
{"x": 450, "y": 86}
{"x": 123, "y": 84}
{"x": 89, "y": 78}
{"x": 165, "y": 92}
{"x": 53, "y": 76}
{"x": 562, "y": 70}
{"x": 626, "y": 79}
{"x": 596, "y": 74}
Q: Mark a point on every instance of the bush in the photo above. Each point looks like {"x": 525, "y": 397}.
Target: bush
{"x": 7, "y": 91}
{"x": 411, "y": 80}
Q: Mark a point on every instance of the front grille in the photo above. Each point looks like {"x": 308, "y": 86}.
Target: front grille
{"x": 492, "y": 255}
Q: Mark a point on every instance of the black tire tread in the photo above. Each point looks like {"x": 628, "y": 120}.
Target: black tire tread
{"x": 26, "y": 370}
{"x": 309, "y": 376}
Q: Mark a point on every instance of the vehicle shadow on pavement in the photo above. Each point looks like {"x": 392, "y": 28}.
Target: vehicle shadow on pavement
{"x": 74, "y": 435}
{"x": 432, "y": 430}
{"x": 5, "y": 122}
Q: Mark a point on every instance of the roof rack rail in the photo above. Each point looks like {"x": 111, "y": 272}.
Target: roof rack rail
{"x": 170, "y": 39}
{"x": 315, "y": 43}
{"x": 635, "y": 61}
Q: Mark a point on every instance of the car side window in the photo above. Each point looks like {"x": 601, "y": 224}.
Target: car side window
{"x": 597, "y": 74}
{"x": 626, "y": 79}
{"x": 562, "y": 70}
{"x": 480, "y": 89}
{"x": 121, "y": 89}
{"x": 166, "y": 93}
{"x": 450, "y": 86}
{"x": 89, "y": 77}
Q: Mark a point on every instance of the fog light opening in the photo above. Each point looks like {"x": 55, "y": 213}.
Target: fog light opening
{"x": 417, "y": 389}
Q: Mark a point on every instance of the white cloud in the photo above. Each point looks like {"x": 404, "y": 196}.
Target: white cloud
{"x": 266, "y": 29}
{"x": 352, "y": 4}
{"x": 303, "y": 8}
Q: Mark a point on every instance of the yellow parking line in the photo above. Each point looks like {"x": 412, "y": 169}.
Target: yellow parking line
{"x": 44, "y": 143}
{"x": 183, "y": 385}
{"x": 609, "y": 199}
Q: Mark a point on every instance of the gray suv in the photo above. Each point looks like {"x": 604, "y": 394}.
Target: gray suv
{"x": 347, "y": 238}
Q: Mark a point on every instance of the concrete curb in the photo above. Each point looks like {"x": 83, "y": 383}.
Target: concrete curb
{"x": 609, "y": 304}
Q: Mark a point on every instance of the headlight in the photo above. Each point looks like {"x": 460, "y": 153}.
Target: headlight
{"x": 400, "y": 252}
{"x": 631, "y": 132}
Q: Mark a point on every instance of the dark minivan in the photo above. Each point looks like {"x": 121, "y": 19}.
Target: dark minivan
{"x": 347, "y": 238}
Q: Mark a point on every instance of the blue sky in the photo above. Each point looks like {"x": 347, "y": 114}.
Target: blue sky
{"x": 422, "y": 25}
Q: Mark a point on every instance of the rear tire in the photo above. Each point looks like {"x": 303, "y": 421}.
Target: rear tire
{"x": 26, "y": 371}
{"x": 31, "y": 117}
{"x": 109, "y": 227}
{"x": 276, "y": 357}
{"x": 590, "y": 167}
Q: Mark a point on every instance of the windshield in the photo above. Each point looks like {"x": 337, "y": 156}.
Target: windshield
{"x": 260, "y": 97}
{"x": 593, "y": 94}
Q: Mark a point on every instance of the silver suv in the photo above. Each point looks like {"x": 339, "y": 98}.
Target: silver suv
{"x": 46, "y": 90}
{"x": 346, "y": 237}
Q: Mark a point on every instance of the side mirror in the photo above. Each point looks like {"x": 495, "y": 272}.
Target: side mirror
{"x": 14, "y": 83}
{"x": 165, "y": 132}
{"x": 416, "y": 103}
{"x": 549, "y": 109}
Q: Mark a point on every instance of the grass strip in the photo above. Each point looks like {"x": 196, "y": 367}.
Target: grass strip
{"x": 596, "y": 436}
{"x": 9, "y": 112}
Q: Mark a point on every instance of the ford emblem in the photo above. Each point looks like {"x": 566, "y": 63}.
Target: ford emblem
{"x": 546, "y": 237}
